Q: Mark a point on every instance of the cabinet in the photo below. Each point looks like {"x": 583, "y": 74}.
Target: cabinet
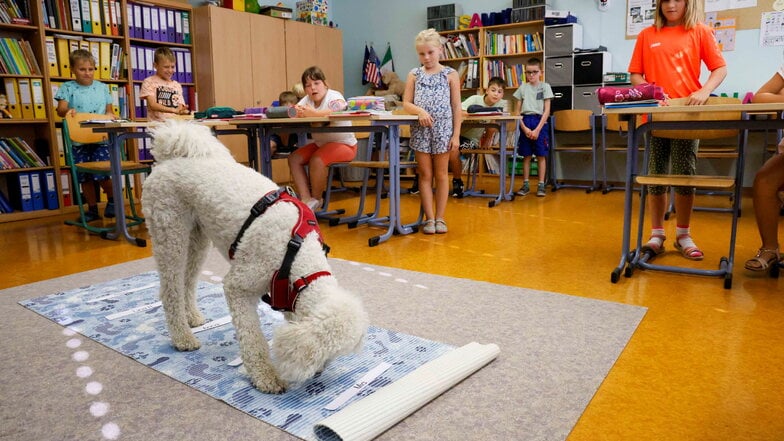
{"x": 246, "y": 60}
{"x": 52, "y": 30}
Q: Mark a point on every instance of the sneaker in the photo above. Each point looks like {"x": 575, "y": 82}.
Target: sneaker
{"x": 429, "y": 227}
{"x": 441, "y": 226}
{"x": 90, "y": 215}
{"x": 457, "y": 188}
{"x": 540, "y": 190}
{"x": 524, "y": 190}
{"x": 313, "y": 204}
{"x": 108, "y": 211}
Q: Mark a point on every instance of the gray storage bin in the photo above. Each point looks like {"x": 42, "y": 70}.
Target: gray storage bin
{"x": 558, "y": 71}
{"x": 585, "y": 98}
{"x": 562, "y": 39}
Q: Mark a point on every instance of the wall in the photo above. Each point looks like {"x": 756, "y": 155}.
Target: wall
{"x": 379, "y": 22}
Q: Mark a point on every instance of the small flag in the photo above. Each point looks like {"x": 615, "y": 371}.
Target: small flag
{"x": 387, "y": 65}
{"x": 372, "y": 73}
{"x": 364, "y": 65}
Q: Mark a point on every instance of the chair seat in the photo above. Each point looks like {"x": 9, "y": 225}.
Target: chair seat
{"x": 104, "y": 167}
{"x": 701, "y": 181}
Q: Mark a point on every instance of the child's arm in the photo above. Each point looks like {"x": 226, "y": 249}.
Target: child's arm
{"x": 109, "y": 111}
{"x": 62, "y": 109}
{"x": 160, "y": 108}
{"x": 457, "y": 109}
{"x": 542, "y": 121}
{"x": 701, "y": 96}
{"x": 425, "y": 119}
{"x": 770, "y": 92}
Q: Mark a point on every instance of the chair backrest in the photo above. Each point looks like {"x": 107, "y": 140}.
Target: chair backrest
{"x": 699, "y": 116}
{"x": 572, "y": 120}
{"x": 83, "y": 135}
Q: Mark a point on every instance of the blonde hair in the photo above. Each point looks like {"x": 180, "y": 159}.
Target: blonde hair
{"x": 429, "y": 37}
{"x": 691, "y": 16}
{"x": 80, "y": 55}
{"x": 164, "y": 53}
{"x": 298, "y": 90}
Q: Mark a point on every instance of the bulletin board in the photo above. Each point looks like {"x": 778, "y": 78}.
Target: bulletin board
{"x": 745, "y": 18}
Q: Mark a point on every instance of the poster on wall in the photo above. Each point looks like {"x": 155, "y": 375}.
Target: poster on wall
{"x": 723, "y": 30}
{"x": 639, "y": 15}
{"x": 772, "y": 29}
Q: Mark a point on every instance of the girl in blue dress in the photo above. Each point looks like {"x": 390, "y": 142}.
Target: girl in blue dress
{"x": 433, "y": 93}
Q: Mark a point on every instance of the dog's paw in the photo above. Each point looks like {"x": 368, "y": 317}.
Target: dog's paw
{"x": 195, "y": 318}
{"x": 186, "y": 342}
{"x": 266, "y": 380}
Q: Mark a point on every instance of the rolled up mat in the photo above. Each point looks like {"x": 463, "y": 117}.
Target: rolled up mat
{"x": 281, "y": 112}
{"x": 369, "y": 417}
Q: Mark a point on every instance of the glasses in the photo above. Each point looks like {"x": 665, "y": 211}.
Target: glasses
{"x": 531, "y": 72}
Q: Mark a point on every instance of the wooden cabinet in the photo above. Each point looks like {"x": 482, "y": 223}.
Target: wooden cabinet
{"x": 246, "y": 60}
{"x": 40, "y": 129}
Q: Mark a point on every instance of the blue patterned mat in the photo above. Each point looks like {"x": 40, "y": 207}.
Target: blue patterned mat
{"x": 125, "y": 315}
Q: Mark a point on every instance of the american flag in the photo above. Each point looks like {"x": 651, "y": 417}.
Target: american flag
{"x": 372, "y": 72}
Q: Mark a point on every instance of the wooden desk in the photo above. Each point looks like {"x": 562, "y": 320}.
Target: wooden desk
{"x": 118, "y": 132}
{"x": 498, "y": 122}
{"x": 693, "y": 118}
{"x": 389, "y": 125}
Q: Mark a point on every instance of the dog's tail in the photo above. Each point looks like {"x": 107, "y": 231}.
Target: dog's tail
{"x": 184, "y": 139}
{"x": 332, "y": 328}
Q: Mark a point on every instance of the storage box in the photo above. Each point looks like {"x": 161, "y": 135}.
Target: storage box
{"x": 557, "y": 17}
{"x": 313, "y": 11}
{"x": 444, "y": 11}
{"x": 562, "y": 99}
{"x": 562, "y": 40}
{"x": 558, "y": 71}
{"x": 276, "y": 11}
{"x": 585, "y": 98}
{"x": 443, "y": 24}
{"x": 589, "y": 67}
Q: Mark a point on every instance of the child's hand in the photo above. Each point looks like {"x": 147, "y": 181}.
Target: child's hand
{"x": 111, "y": 116}
{"x": 534, "y": 134}
{"x": 425, "y": 120}
{"x": 304, "y": 110}
{"x": 454, "y": 143}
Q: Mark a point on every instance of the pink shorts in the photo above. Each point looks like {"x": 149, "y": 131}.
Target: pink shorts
{"x": 328, "y": 153}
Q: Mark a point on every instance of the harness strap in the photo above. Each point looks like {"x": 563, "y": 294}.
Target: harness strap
{"x": 257, "y": 210}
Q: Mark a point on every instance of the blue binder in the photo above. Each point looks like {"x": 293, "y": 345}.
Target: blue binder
{"x": 36, "y": 191}
{"x": 50, "y": 190}
{"x": 19, "y": 192}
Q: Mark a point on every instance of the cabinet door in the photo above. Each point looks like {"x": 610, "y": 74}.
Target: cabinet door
{"x": 329, "y": 55}
{"x": 231, "y": 58}
{"x": 301, "y": 50}
{"x": 268, "y": 58}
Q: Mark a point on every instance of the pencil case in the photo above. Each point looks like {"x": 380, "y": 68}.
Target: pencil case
{"x": 615, "y": 94}
{"x": 281, "y": 112}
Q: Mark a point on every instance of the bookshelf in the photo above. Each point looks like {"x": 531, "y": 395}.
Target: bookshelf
{"x": 501, "y": 50}
{"x": 122, "y": 46}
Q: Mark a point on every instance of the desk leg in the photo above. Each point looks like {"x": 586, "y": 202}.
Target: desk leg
{"x": 502, "y": 193}
{"x": 394, "y": 187}
{"x": 631, "y": 161}
{"x": 115, "y": 158}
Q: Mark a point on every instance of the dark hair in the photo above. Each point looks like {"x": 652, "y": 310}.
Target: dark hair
{"x": 313, "y": 73}
{"x": 498, "y": 81}
{"x": 534, "y": 62}
{"x": 80, "y": 55}
{"x": 164, "y": 53}
{"x": 287, "y": 96}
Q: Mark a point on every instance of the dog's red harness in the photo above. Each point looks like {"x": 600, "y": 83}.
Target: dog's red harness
{"x": 283, "y": 293}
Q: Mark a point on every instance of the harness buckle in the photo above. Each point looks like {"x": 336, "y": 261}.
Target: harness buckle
{"x": 263, "y": 203}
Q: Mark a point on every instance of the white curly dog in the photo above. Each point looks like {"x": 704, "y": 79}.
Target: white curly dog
{"x": 196, "y": 194}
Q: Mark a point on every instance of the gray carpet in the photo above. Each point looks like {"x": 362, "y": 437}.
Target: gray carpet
{"x": 555, "y": 352}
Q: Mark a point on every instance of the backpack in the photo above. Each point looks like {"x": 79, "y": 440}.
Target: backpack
{"x": 217, "y": 113}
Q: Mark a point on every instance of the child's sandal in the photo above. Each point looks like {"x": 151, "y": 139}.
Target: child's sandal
{"x": 765, "y": 259}
{"x": 655, "y": 245}
{"x": 689, "y": 251}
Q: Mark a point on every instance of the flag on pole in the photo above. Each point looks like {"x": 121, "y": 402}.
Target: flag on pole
{"x": 372, "y": 72}
{"x": 387, "y": 65}
{"x": 364, "y": 65}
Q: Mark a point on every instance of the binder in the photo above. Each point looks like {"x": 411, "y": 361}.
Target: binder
{"x": 179, "y": 72}
{"x": 12, "y": 93}
{"x": 134, "y": 63}
{"x": 137, "y": 21}
{"x": 137, "y": 103}
{"x": 170, "y": 26}
{"x": 146, "y": 22}
{"x": 51, "y": 57}
{"x": 39, "y": 105}
{"x": 25, "y": 98}
{"x": 129, "y": 12}
{"x": 65, "y": 183}
{"x": 107, "y": 17}
{"x": 36, "y": 192}
{"x": 155, "y": 23}
{"x": 162, "y": 20}
{"x": 149, "y": 61}
{"x": 186, "y": 28}
{"x": 76, "y": 15}
{"x": 50, "y": 190}
{"x": 95, "y": 49}
{"x": 188, "y": 67}
{"x": 105, "y": 60}
{"x": 62, "y": 46}
{"x": 87, "y": 24}
{"x": 55, "y": 85}
{"x": 178, "y": 26}
{"x": 114, "y": 23}
{"x": 60, "y": 146}
{"x": 19, "y": 192}
{"x": 114, "y": 91}
{"x": 95, "y": 17}
{"x": 5, "y": 204}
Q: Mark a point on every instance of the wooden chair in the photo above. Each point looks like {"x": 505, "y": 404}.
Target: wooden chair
{"x": 74, "y": 133}
{"x": 572, "y": 121}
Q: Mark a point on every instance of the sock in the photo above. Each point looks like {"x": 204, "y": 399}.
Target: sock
{"x": 681, "y": 230}
{"x": 657, "y": 236}
{"x": 684, "y": 236}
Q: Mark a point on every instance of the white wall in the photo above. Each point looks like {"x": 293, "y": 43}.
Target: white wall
{"x": 397, "y": 22}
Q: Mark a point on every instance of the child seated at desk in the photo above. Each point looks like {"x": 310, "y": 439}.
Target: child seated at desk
{"x": 473, "y": 137}
{"x": 284, "y": 143}
{"x": 326, "y": 148}
{"x": 163, "y": 95}
{"x": 85, "y": 95}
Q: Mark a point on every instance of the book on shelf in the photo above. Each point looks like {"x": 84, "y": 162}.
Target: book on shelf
{"x": 15, "y": 12}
